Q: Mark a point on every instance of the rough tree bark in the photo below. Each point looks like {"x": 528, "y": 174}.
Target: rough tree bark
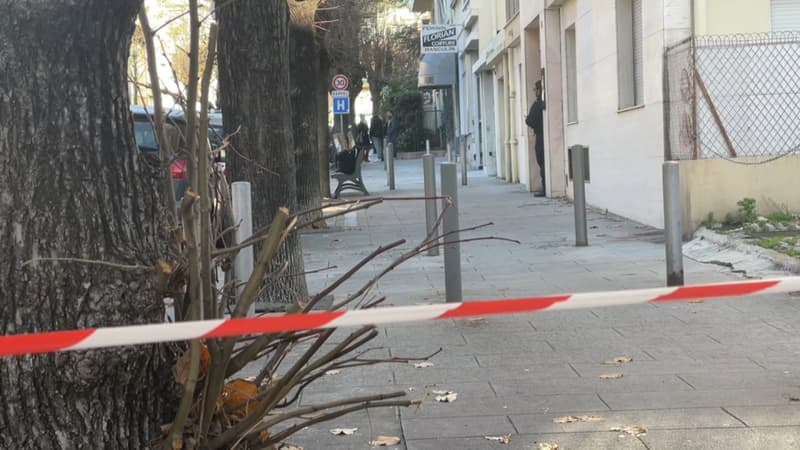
{"x": 254, "y": 93}
{"x": 323, "y": 133}
{"x": 73, "y": 184}
{"x": 304, "y": 67}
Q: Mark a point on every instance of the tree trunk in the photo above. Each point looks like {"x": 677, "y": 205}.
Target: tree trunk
{"x": 323, "y": 133}
{"x": 304, "y": 68}
{"x": 254, "y": 93}
{"x": 73, "y": 184}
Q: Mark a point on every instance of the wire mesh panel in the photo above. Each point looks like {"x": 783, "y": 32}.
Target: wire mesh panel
{"x": 734, "y": 96}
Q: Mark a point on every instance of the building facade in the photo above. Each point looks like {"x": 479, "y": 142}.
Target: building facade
{"x": 606, "y": 86}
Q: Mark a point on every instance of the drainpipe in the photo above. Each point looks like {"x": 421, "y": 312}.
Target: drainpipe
{"x": 507, "y": 128}
{"x": 512, "y": 120}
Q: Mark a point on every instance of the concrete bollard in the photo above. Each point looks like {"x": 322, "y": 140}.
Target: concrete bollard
{"x": 449, "y": 153}
{"x": 242, "y": 216}
{"x": 429, "y": 175}
{"x": 672, "y": 222}
{"x": 452, "y": 249}
{"x": 427, "y": 146}
{"x": 578, "y": 155}
{"x": 390, "y": 166}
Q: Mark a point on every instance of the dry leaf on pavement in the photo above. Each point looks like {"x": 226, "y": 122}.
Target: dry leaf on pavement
{"x": 385, "y": 441}
{"x": 584, "y": 418}
{"x": 634, "y": 430}
{"x": 619, "y": 360}
{"x": 445, "y": 396}
{"x": 343, "y": 431}
{"x": 547, "y": 446}
{"x": 289, "y": 447}
{"x": 611, "y": 376}
{"x": 423, "y": 364}
{"x": 505, "y": 439}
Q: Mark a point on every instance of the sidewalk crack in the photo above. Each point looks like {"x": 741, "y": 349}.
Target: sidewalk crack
{"x": 682, "y": 379}
{"x": 734, "y": 416}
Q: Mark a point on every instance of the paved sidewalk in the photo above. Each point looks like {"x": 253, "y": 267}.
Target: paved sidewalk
{"x": 717, "y": 374}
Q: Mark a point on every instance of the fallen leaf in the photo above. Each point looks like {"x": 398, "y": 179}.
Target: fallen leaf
{"x": 619, "y": 360}
{"x": 343, "y": 431}
{"x": 696, "y": 301}
{"x": 289, "y": 447}
{"x": 181, "y": 369}
{"x": 423, "y": 364}
{"x": 264, "y": 436}
{"x": 238, "y": 397}
{"x": 385, "y": 441}
{"x": 547, "y": 446}
{"x": 572, "y": 419}
{"x": 634, "y": 430}
{"x": 333, "y": 372}
{"x": 445, "y": 396}
{"x": 505, "y": 439}
{"x": 794, "y": 399}
{"x": 611, "y": 376}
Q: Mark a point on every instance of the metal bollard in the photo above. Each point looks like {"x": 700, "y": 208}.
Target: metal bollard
{"x": 463, "y": 163}
{"x": 390, "y": 166}
{"x": 429, "y": 175}
{"x": 452, "y": 249}
{"x": 242, "y": 216}
{"x": 672, "y": 222}
{"x": 449, "y": 153}
{"x": 578, "y": 154}
{"x": 427, "y": 146}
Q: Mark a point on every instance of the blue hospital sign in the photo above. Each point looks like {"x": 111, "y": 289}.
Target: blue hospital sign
{"x": 341, "y": 102}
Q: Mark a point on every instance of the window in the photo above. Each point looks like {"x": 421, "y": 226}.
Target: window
{"x": 785, "y": 15}
{"x": 630, "y": 76}
{"x": 512, "y": 8}
{"x": 572, "y": 74}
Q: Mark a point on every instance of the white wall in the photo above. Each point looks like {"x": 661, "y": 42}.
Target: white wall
{"x": 626, "y": 148}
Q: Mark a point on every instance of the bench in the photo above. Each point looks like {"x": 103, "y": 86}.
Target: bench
{"x": 352, "y": 181}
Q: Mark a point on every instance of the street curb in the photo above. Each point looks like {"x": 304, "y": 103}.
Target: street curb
{"x": 779, "y": 260}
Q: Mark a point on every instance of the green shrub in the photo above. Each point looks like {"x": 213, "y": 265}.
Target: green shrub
{"x": 747, "y": 210}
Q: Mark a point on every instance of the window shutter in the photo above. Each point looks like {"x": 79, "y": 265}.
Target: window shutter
{"x": 785, "y": 15}
{"x": 638, "y": 54}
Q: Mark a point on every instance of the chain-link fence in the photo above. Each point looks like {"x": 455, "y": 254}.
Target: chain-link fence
{"x": 733, "y": 96}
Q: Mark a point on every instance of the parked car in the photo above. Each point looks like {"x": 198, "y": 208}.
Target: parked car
{"x": 175, "y": 124}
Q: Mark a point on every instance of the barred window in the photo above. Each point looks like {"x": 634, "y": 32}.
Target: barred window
{"x": 630, "y": 73}
{"x": 512, "y": 8}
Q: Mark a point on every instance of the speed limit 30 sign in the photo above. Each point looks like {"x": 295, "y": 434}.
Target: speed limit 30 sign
{"x": 340, "y": 82}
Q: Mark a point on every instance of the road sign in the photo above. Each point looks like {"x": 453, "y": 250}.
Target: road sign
{"x": 340, "y": 82}
{"x": 439, "y": 38}
{"x": 341, "y": 102}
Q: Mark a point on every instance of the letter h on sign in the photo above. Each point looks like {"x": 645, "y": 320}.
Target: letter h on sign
{"x": 341, "y": 105}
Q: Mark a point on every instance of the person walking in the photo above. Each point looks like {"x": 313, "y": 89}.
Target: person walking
{"x": 377, "y": 130}
{"x": 362, "y": 139}
{"x": 535, "y": 120}
{"x": 391, "y": 132}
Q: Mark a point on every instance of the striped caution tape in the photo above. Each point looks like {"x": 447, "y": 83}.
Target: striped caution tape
{"x": 58, "y": 341}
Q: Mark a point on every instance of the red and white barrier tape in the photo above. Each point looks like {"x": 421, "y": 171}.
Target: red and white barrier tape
{"x": 26, "y": 344}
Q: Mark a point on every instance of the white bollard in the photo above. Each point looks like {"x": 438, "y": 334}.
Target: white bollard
{"x": 243, "y": 217}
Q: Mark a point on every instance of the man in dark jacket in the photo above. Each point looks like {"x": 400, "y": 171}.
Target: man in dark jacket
{"x": 377, "y": 130}
{"x": 535, "y": 120}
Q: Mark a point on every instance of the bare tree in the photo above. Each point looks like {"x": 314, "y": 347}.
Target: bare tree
{"x": 74, "y": 185}
{"x": 254, "y": 94}
{"x": 304, "y": 67}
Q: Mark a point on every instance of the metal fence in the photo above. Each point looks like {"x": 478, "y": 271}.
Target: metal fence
{"x": 733, "y": 96}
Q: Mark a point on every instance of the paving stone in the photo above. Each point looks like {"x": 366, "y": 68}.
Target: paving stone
{"x": 701, "y": 398}
{"x": 633, "y": 383}
{"x": 585, "y": 441}
{"x": 455, "y": 427}
{"x": 520, "y": 404}
{"x": 724, "y": 439}
{"x": 651, "y": 419}
{"x": 767, "y": 416}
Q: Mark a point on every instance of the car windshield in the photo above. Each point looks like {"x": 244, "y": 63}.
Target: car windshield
{"x": 145, "y": 137}
{"x": 215, "y": 136}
